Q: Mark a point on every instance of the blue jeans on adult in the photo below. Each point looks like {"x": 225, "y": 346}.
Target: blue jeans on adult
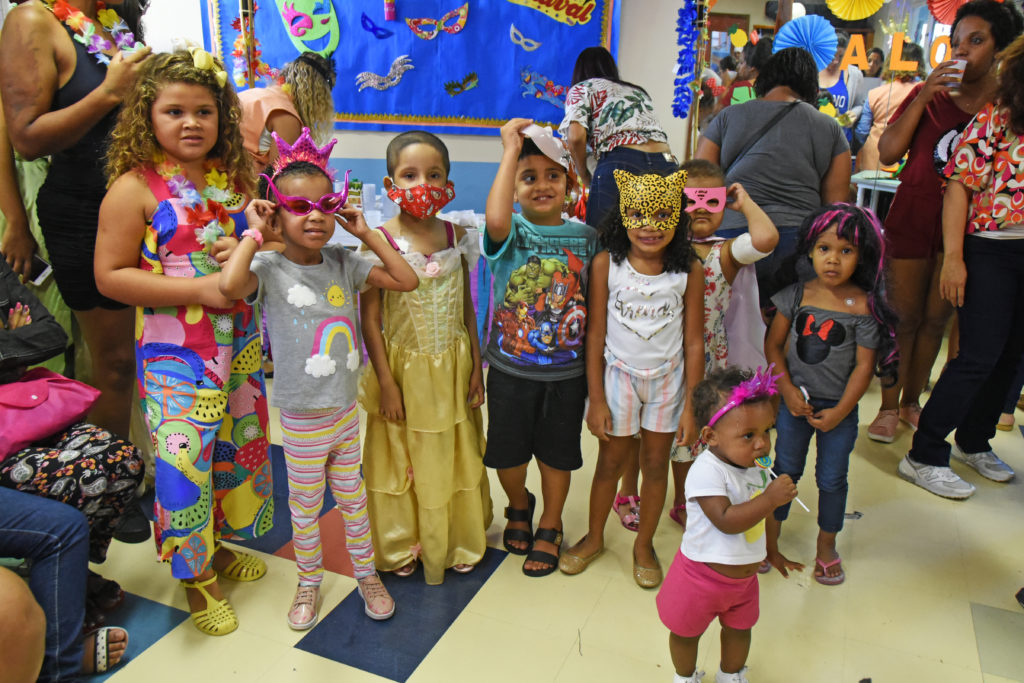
{"x": 55, "y": 537}
{"x": 604, "y": 193}
{"x": 970, "y": 393}
{"x": 830, "y": 468}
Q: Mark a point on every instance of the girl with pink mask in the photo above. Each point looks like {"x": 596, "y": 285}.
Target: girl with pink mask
{"x": 426, "y": 485}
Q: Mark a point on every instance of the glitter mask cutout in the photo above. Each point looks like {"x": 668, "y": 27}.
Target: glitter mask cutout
{"x": 422, "y": 201}
{"x": 649, "y": 194}
{"x": 300, "y": 206}
{"x": 711, "y": 199}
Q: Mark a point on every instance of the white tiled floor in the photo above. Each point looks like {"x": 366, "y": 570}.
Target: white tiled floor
{"x": 915, "y": 563}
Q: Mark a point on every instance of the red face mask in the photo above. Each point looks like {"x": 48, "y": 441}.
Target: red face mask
{"x": 422, "y": 201}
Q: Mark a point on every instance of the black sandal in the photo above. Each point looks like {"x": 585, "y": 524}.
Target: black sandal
{"x": 549, "y": 536}
{"x": 519, "y": 515}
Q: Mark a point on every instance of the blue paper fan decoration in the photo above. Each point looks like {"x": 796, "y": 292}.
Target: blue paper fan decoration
{"x": 811, "y": 32}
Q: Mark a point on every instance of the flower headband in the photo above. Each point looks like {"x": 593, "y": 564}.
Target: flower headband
{"x": 760, "y": 386}
{"x": 204, "y": 61}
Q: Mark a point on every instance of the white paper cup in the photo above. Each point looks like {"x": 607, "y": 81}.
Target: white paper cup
{"x": 960, "y": 65}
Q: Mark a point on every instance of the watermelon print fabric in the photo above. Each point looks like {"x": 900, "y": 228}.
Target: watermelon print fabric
{"x": 202, "y": 390}
{"x": 989, "y": 161}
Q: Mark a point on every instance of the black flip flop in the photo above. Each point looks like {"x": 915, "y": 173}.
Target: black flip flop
{"x": 519, "y": 515}
{"x": 549, "y": 536}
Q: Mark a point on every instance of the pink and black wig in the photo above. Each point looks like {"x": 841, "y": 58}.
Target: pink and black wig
{"x": 861, "y": 228}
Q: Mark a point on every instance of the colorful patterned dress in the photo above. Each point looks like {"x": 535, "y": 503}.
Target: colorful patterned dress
{"x": 202, "y": 390}
{"x": 427, "y": 490}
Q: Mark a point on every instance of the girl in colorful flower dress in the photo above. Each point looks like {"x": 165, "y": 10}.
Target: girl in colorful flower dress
{"x": 179, "y": 181}
{"x": 426, "y": 483}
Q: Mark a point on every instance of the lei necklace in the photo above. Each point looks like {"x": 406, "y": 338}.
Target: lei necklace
{"x": 204, "y": 208}
{"x": 87, "y": 34}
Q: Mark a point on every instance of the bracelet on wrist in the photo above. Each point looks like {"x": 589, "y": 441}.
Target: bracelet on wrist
{"x": 256, "y": 236}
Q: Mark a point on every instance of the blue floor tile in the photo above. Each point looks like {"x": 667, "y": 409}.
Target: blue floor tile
{"x": 394, "y": 648}
{"x": 145, "y": 621}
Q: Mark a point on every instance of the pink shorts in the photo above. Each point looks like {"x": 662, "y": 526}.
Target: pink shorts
{"x": 693, "y": 594}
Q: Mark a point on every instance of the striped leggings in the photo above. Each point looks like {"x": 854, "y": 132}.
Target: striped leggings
{"x": 322, "y": 447}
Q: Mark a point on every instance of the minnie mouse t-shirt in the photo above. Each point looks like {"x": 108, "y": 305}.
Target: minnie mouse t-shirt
{"x": 823, "y": 344}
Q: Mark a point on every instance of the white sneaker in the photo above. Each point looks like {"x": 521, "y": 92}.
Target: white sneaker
{"x": 697, "y": 677}
{"x": 942, "y": 481}
{"x": 987, "y": 463}
{"x": 738, "y": 677}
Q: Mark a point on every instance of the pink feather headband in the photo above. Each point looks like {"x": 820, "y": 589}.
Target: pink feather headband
{"x": 761, "y": 385}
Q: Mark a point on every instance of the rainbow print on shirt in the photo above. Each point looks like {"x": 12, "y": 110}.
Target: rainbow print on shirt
{"x": 320, "y": 363}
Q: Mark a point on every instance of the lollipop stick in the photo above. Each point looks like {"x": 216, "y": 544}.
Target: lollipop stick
{"x": 772, "y": 475}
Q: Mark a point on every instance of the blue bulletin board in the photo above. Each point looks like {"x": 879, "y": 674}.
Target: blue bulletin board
{"x": 453, "y": 66}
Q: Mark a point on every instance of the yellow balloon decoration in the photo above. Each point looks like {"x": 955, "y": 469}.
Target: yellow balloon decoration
{"x": 738, "y": 38}
{"x": 854, "y": 10}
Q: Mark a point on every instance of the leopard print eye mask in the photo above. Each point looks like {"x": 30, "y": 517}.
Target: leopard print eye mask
{"x": 650, "y": 199}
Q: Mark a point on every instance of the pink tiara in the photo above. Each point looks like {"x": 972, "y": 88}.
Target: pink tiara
{"x": 304, "y": 149}
{"x": 761, "y": 385}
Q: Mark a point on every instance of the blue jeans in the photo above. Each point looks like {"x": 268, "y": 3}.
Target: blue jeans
{"x": 830, "y": 468}
{"x": 55, "y": 537}
{"x": 604, "y": 193}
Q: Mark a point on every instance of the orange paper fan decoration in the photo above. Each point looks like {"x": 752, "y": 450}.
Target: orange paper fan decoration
{"x": 944, "y": 11}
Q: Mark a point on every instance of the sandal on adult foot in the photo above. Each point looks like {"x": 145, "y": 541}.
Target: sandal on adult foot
{"x": 823, "y": 578}
{"x": 463, "y": 568}
{"x": 647, "y": 577}
{"x": 378, "y": 604}
{"x": 406, "y": 570}
{"x": 244, "y": 567}
{"x": 217, "y": 618}
{"x": 101, "y": 649}
{"x": 553, "y": 536}
{"x": 303, "y": 614}
{"x": 519, "y": 515}
{"x": 628, "y": 510}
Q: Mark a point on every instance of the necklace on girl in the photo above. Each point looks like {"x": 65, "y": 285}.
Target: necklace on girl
{"x": 86, "y": 31}
{"x": 205, "y": 208}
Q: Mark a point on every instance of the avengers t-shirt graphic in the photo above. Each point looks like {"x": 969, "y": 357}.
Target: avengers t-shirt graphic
{"x": 540, "y": 313}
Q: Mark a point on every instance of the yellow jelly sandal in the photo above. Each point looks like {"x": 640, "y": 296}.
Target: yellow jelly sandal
{"x": 244, "y": 567}
{"x": 218, "y": 619}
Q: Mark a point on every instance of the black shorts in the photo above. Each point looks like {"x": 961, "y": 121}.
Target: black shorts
{"x": 69, "y": 226}
{"x": 528, "y": 417}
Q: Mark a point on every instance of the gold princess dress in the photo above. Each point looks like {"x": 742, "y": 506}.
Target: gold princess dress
{"x": 426, "y": 486}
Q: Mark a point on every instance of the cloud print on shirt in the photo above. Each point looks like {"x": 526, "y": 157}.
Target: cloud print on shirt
{"x": 301, "y": 295}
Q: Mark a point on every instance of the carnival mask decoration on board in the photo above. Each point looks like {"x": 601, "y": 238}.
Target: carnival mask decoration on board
{"x": 312, "y": 25}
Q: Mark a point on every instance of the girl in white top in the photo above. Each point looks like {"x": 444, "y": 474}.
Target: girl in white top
{"x": 647, "y": 315}
{"x": 714, "y": 574}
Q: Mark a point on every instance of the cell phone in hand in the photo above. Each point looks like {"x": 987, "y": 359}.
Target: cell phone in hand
{"x": 41, "y": 270}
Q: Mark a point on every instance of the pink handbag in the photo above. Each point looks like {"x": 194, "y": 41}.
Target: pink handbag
{"x": 39, "y": 404}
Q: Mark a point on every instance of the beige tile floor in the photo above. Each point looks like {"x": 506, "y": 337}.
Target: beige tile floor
{"x": 929, "y": 596}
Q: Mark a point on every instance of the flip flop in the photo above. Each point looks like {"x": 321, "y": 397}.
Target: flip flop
{"x": 631, "y": 518}
{"x": 823, "y": 578}
{"x": 101, "y": 650}
{"x": 519, "y": 515}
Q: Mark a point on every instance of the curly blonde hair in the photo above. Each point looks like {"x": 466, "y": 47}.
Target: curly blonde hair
{"x": 311, "y": 93}
{"x": 133, "y": 143}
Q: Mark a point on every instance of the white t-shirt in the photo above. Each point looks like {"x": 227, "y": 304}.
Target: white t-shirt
{"x": 703, "y": 541}
{"x": 645, "y": 316}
